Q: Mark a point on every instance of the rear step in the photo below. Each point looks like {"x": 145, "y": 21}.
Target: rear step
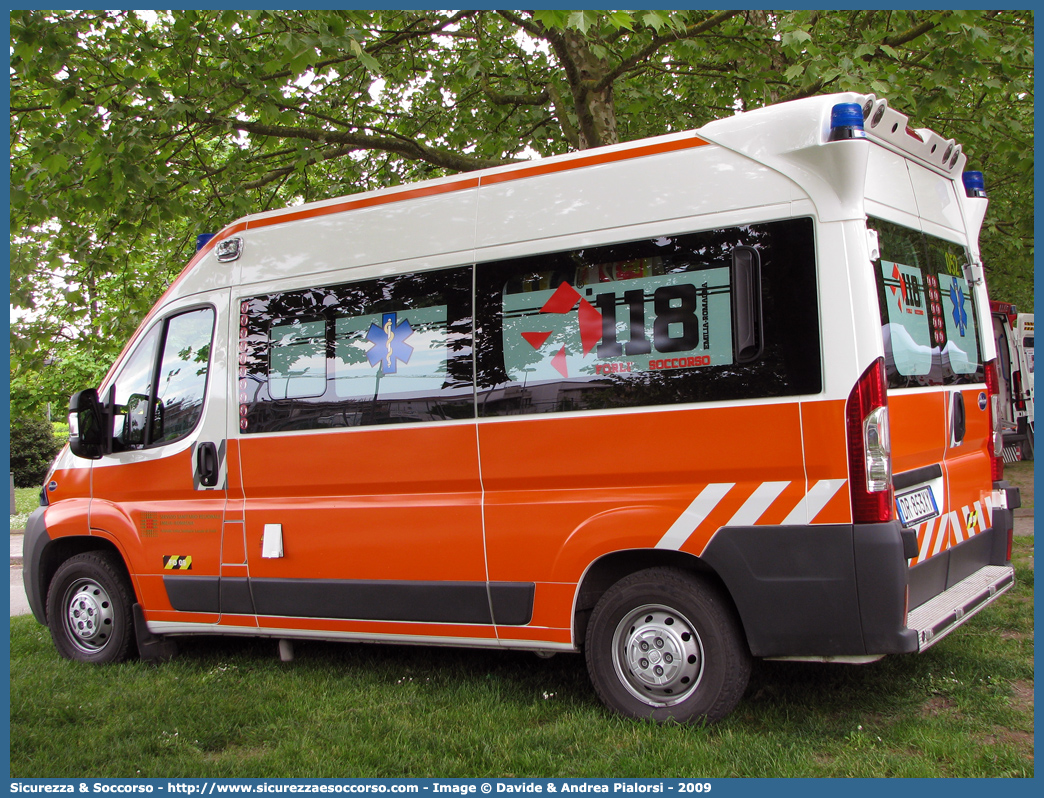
{"x": 939, "y": 616}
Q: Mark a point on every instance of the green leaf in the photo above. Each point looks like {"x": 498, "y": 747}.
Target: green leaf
{"x": 56, "y": 163}
{"x": 796, "y": 38}
{"x": 621, "y": 20}
{"x": 371, "y": 63}
{"x": 654, "y": 20}
{"x": 552, "y": 19}
{"x": 578, "y": 21}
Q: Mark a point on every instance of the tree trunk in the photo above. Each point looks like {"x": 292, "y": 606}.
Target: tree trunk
{"x": 595, "y": 111}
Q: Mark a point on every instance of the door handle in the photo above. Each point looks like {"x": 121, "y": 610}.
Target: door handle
{"x": 207, "y": 464}
{"x": 958, "y": 419}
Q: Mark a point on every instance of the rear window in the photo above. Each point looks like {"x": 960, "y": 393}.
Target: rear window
{"x": 928, "y": 313}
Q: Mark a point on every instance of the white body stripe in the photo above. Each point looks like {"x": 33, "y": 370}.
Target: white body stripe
{"x": 694, "y": 515}
{"x": 926, "y": 541}
{"x": 944, "y": 533}
{"x": 806, "y": 508}
{"x": 950, "y": 529}
{"x": 814, "y": 501}
{"x": 757, "y": 504}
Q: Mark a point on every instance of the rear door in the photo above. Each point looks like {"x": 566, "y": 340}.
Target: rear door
{"x": 1006, "y": 368}
{"x": 938, "y": 408}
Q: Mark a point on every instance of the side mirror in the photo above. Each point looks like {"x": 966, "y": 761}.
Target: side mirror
{"x": 86, "y": 425}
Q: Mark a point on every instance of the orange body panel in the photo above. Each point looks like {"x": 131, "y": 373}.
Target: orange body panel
{"x": 69, "y": 483}
{"x": 921, "y": 436}
{"x": 385, "y": 504}
{"x": 157, "y": 518}
{"x": 918, "y": 427}
{"x": 69, "y": 517}
{"x": 562, "y": 492}
{"x": 826, "y": 456}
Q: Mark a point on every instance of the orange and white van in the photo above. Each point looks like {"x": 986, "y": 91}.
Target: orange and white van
{"x": 1013, "y": 334}
{"x": 673, "y": 403}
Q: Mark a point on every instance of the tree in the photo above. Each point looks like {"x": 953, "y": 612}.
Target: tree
{"x": 132, "y": 132}
{"x": 33, "y": 448}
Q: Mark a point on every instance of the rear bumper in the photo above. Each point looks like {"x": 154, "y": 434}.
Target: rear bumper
{"x": 843, "y": 591}
{"x": 939, "y": 616}
{"x": 818, "y": 591}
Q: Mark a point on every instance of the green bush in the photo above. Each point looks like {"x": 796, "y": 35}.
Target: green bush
{"x": 33, "y": 448}
{"x": 61, "y": 433}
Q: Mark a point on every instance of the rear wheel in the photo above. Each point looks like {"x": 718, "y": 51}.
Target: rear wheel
{"x": 89, "y": 609}
{"x": 665, "y": 645}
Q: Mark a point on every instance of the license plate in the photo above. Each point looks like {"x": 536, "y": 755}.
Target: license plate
{"x": 916, "y": 506}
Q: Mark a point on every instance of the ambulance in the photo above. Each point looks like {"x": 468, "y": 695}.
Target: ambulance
{"x": 674, "y": 404}
{"x": 1013, "y": 333}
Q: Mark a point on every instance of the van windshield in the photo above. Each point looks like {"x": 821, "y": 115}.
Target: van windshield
{"x": 928, "y": 312}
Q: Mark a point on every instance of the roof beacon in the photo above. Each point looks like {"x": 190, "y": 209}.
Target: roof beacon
{"x": 846, "y": 122}
{"x": 202, "y": 239}
{"x": 974, "y": 184}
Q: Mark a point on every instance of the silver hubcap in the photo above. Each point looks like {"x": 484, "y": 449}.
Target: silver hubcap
{"x": 88, "y": 615}
{"x": 658, "y": 655}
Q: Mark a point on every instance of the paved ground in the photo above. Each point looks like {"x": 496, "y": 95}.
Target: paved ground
{"x": 1019, "y": 476}
{"x": 19, "y": 603}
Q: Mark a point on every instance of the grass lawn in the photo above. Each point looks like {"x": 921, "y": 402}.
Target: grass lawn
{"x": 230, "y": 708}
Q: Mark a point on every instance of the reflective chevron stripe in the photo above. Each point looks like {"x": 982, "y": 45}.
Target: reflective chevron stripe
{"x": 950, "y": 529}
{"x": 804, "y": 511}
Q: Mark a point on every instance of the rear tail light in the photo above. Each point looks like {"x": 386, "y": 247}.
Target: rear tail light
{"x": 995, "y": 444}
{"x": 869, "y": 448}
{"x": 1020, "y": 398}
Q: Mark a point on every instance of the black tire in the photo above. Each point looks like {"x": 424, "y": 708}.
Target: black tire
{"x": 665, "y": 645}
{"x": 89, "y": 608}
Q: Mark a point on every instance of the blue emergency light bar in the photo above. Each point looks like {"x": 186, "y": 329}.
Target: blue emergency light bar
{"x": 846, "y": 122}
{"x": 974, "y": 184}
{"x": 202, "y": 239}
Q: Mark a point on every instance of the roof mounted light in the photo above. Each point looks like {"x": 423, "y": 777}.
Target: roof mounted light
{"x": 203, "y": 239}
{"x": 974, "y": 184}
{"x": 846, "y": 122}
{"x": 228, "y": 250}
{"x": 874, "y": 110}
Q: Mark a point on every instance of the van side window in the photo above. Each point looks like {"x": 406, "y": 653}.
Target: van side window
{"x": 297, "y": 366}
{"x": 160, "y": 402}
{"x": 384, "y": 351}
{"x": 136, "y": 378}
{"x": 721, "y": 314}
{"x": 182, "y": 383}
{"x": 927, "y": 308}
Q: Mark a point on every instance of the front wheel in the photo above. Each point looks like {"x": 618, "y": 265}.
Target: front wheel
{"x": 89, "y": 609}
{"x": 665, "y": 645}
